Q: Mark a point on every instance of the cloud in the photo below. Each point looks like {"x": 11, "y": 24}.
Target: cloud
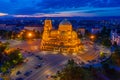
{"x": 60, "y": 14}
{"x": 3, "y": 14}
{"x": 46, "y": 8}
{"x": 81, "y": 11}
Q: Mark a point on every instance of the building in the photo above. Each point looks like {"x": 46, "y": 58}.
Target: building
{"x": 64, "y": 39}
{"x": 81, "y": 31}
{"x": 95, "y": 30}
{"x": 11, "y": 27}
{"x": 35, "y": 27}
{"x": 115, "y": 36}
{"x": 7, "y": 27}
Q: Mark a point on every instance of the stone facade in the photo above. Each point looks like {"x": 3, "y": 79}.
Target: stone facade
{"x": 62, "y": 40}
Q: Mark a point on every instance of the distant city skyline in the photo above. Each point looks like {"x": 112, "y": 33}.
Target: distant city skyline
{"x": 59, "y": 8}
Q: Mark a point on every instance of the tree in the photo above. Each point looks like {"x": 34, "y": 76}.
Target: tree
{"x": 104, "y": 37}
{"x": 3, "y": 47}
{"x": 73, "y": 72}
{"x": 116, "y": 56}
{"x": 7, "y": 60}
{"x": 15, "y": 57}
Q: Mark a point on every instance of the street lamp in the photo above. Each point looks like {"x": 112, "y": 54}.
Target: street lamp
{"x": 30, "y": 35}
{"x": 92, "y": 37}
{"x": 18, "y": 36}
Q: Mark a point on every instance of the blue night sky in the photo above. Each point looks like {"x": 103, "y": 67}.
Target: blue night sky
{"x": 59, "y": 8}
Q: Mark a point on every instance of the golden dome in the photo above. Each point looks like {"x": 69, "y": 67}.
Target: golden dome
{"x": 65, "y": 22}
{"x": 65, "y": 26}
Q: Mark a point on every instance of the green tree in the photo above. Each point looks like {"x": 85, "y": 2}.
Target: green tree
{"x": 15, "y": 57}
{"x": 7, "y": 60}
{"x": 116, "y": 56}
{"x": 104, "y": 37}
{"x": 73, "y": 72}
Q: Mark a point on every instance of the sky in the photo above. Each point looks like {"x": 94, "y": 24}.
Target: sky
{"x": 59, "y": 8}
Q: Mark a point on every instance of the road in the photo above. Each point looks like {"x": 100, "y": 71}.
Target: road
{"x": 51, "y": 62}
{"x": 52, "y": 65}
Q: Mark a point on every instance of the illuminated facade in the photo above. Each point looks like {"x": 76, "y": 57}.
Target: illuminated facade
{"x": 62, "y": 40}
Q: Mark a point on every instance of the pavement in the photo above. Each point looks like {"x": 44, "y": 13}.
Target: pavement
{"x": 51, "y": 64}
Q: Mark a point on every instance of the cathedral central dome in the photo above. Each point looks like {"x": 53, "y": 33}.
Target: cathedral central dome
{"x": 65, "y": 22}
{"x": 65, "y": 25}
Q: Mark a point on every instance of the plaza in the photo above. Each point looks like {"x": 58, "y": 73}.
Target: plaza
{"x": 52, "y": 61}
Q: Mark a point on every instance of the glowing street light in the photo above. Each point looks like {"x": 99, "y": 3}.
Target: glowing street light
{"x": 92, "y": 36}
{"x": 18, "y": 36}
{"x": 30, "y": 34}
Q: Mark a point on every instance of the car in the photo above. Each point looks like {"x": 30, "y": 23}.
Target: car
{"x": 18, "y": 48}
{"x": 48, "y": 76}
{"x": 18, "y": 72}
{"x": 53, "y": 76}
{"x": 26, "y": 51}
{"x": 29, "y": 52}
{"x": 36, "y": 56}
{"x": 40, "y": 58}
{"x": 26, "y": 60}
{"x": 94, "y": 60}
{"x": 82, "y": 63}
{"x": 32, "y": 54}
{"x": 89, "y": 61}
{"x": 13, "y": 67}
{"x": 38, "y": 66}
{"x": 28, "y": 73}
{"x": 19, "y": 79}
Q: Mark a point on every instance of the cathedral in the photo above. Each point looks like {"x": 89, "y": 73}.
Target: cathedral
{"x": 64, "y": 39}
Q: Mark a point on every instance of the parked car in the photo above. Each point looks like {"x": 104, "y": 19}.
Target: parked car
{"x": 19, "y": 79}
{"x": 40, "y": 58}
{"x": 48, "y": 76}
{"x": 38, "y": 66}
{"x": 28, "y": 73}
{"x": 18, "y": 73}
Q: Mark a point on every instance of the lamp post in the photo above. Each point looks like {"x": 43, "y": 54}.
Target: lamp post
{"x": 30, "y": 35}
{"x": 92, "y": 37}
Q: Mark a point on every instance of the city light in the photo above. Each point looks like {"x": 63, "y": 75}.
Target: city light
{"x": 18, "y": 36}
{"x": 30, "y": 35}
{"x": 92, "y": 37}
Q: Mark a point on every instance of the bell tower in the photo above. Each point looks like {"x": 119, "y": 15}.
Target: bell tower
{"x": 47, "y": 25}
{"x": 47, "y": 29}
